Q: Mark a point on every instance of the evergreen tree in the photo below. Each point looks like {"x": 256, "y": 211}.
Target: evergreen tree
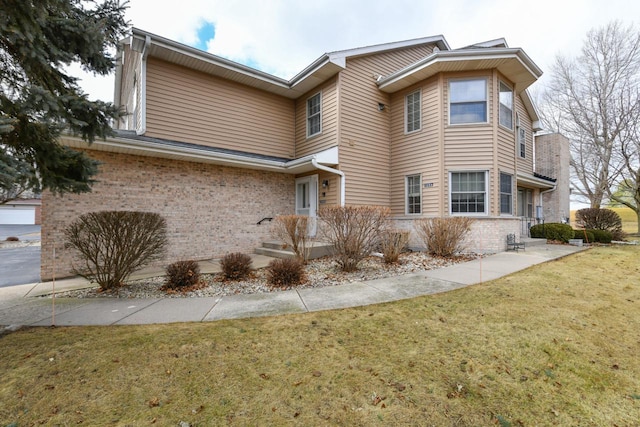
{"x": 39, "y": 100}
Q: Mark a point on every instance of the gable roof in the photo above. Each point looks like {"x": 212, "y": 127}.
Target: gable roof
{"x": 319, "y": 71}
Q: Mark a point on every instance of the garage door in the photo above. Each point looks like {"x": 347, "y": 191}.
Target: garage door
{"x": 17, "y": 215}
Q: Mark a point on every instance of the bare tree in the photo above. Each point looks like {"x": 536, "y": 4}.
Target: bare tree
{"x": 594, "y": 99}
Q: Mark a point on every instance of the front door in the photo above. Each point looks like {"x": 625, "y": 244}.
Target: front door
{"x": 307, "y": 200}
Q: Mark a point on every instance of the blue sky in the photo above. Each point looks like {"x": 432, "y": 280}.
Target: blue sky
{"x": 282, "y": 37}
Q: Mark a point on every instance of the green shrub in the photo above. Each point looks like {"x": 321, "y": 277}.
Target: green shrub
{"x": 602, "y": 236}
{"x": 552, "y": 231}
{"x": 114, "y": 244}
{"x": 601, "y": 219}
{"x": 392, "y": 243}
{"x": 585, "y": 235}
{"x": 443, "y": 236}
{"x": 182, "y": 274}
{"x": 283, "y": 273}
{"x": 236, "y": 266}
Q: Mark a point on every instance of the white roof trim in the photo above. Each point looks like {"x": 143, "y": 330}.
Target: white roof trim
{"x": 139, "y": 147}
{"x": 534, "y": 181}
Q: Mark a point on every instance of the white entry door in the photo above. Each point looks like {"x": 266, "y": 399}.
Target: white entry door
{"x": 307, "y": 200}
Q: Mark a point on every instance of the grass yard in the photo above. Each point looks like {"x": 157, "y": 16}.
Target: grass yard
{"x": 628, "y": 217}
{"x": 557, "y": 344}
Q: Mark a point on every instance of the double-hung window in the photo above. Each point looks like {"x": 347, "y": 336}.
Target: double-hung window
{"x": 522, "y": 142}
{"x": 506, "y": 193}
{"x": 468, "y": 192}
{"x": 467, "y": 101}
{"x": 412, "y": 112}
{"x": 314, "y": 115}
{"x": 414, "y": 197}
{"x": 506, "y": 106}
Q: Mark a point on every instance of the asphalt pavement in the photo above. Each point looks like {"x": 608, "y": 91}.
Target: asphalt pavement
{"x": 19, "y": 261}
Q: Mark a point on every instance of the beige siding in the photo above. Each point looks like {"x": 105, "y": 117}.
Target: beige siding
{"x": 329, "y": 114}
{"x": 365, "y": 150}
{"x": 417, "y": 152}
{"x": 525, "y": 165}
{"x": 189, "y": 106}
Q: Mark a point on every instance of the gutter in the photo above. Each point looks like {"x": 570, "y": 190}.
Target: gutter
{"x": 343, "y": 186}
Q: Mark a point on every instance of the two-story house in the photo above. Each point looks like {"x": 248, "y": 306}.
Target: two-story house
{"x": 216, "y": 146}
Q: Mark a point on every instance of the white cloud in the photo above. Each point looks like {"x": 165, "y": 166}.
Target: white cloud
{"x": 282, "y": 37}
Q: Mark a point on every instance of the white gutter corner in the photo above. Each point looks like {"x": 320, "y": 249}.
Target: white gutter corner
{"x": 343, "y": 185}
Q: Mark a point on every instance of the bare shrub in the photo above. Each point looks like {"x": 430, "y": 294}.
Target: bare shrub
{"x": 353, "y": 231}
{"x": 292, "y": 230}
{"x": 236, "y": 266}
{"x": 443, "y": 236}
{"x": 114, "y": 244}
{"x": 182, "y": 274}
{"x": 12, "y": 239}
{"x": 283, "y": 273}
{"x": 601, "y": 219}
{"x": 392, "y": 243}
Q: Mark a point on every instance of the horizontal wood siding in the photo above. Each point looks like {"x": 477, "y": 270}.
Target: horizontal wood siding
{"x": 417, "y": 152}
{"x": 329, "y": 114}
{"x": 190, "y": 106}
{"x": 365, "y": 150}
{"x": 525, "y": 165}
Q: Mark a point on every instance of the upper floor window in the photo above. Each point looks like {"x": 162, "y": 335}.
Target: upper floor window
{"x": 506, "y": 106}
{"x": 314, "y": 116}
{"x": 412, "y": 112}
{"x": 414, "y": 199}
{"x": 467, "y": 101}
{"x": 522, "y": 142}
{"x": 468, "y": 192}
{"x": 506, "y": 193}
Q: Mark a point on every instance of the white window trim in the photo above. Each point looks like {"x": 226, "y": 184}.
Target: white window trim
{"x": 486, "y": 192}
{"x": 500, "y": 193}
{"x": 406, "y": 193}
{"x": 306, "y": 113}
{"x": 500, "y": 82}
{"x": 406, "y": 111}
{"x": 486, "y": 97}
{"x": 523, "y": 143}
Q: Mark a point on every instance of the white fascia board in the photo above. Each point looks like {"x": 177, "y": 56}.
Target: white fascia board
{"x": 329, "y": 156}
{"x": 368, "y": 50}
{"x": 534, "y": 181}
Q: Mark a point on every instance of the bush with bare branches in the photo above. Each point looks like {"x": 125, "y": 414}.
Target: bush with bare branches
{"x": 114, "y": 244}
{"x": 352, "y": 231}
{"x": 292, "y": 230}
{"x": 443, "y": 236}
{"x": 601, "y": 219}
{"x": 392, "y": 243}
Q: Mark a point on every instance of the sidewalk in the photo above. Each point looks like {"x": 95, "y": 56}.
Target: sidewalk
{"x": 19, "y": 305}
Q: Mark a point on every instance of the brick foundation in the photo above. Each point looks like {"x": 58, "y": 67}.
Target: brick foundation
{"x": 488, "y": 235}
{"x": 210, "y": 210}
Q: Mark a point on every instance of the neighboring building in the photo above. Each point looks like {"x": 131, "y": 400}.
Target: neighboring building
{"x": 23, "y": 211}
{"x": 215, "y": 146}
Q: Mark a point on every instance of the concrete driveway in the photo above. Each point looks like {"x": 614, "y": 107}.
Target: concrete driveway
{"x": 19, "y": 264}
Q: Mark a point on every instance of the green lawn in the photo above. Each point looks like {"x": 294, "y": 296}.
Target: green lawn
{"x": 557, "y": 344}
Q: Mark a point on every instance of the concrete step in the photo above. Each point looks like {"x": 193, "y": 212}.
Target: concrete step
{"x": 530, "y": 241}
{"x": 277, "y": 249}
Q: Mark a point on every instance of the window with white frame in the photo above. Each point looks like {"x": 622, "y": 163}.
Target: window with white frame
{"x": 412, "y": 112}
{"x": 506, "y": 193}
{"x": 314, "y": 116}
{"x": 506, "y": 106}
{"x": 522, "y": 142}
{"x": 414, "y": 196}
{"x": 467, "y": 101}
{"x": 468, "y": 192}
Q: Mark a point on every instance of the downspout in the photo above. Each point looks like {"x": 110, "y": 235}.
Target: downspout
{"x": 143, "y": 87}
{"x": 316, "y": 165}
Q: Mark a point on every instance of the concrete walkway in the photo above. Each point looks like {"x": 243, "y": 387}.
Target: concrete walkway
{"x": 20, "y": 305}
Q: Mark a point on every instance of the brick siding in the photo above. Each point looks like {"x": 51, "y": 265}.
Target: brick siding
{"x": 210, "y": 210}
